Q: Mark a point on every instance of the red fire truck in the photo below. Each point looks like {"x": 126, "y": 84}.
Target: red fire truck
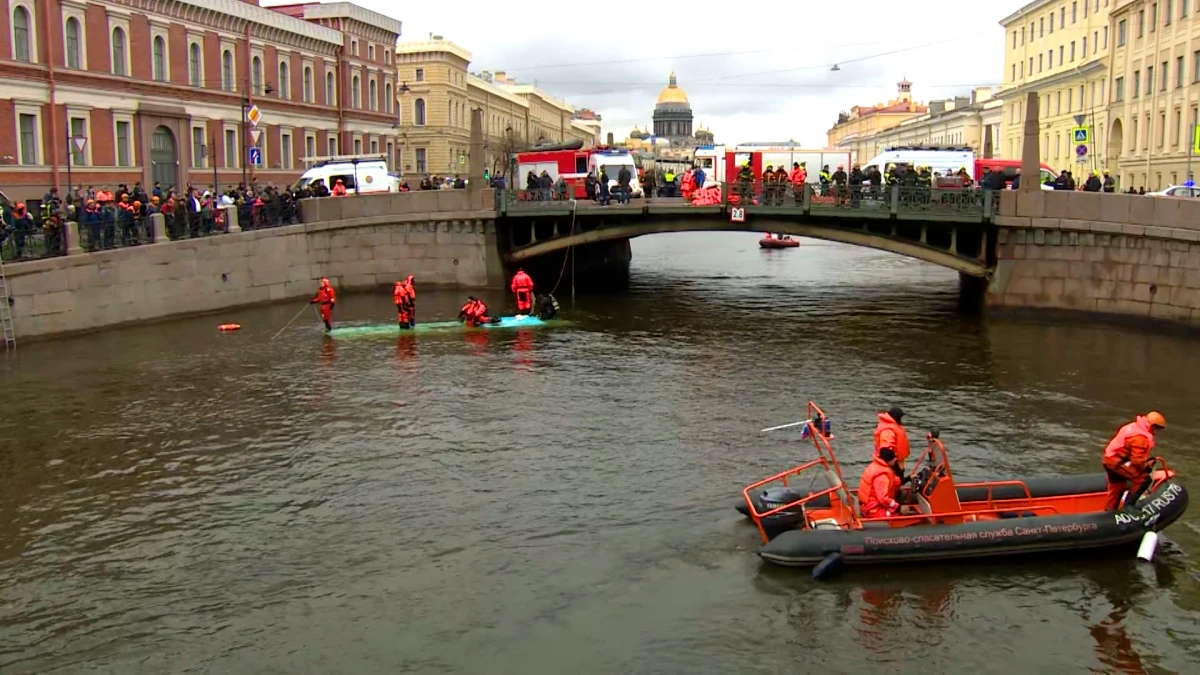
{"x": 572, "y": 162}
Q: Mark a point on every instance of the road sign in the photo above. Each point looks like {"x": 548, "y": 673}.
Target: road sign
{"x": 1081, "y": 135}
{"x": 1079, "y": 120}
{"x": 462, "y": 159}
{"x": 256, "y": 156}
{"x": 737, "y": 214}
{"x": 79, "y": 143}
{"x": 1081, "y": 151}
{"x": 255, "y": 134}
{"x": 254, "y": 115}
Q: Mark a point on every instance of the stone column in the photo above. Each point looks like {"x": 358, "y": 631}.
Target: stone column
{"x": 158, "y": 225}
{"x": 71, "y": 232}
{"x": 231, "y": 219}
{"x": 1031, "y": 173}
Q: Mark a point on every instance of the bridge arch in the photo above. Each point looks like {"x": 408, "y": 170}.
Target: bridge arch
{"x": 968, "y": 256}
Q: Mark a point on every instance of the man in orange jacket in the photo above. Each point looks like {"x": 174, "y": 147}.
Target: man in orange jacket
{"x": 339, "y": 189}
{"x": 522, "y": 287}
{"x": 879, "y": 485}
{"x": 890, "y": 434}
{"x": 411, "y": 294}
{"x": 326, "y": 298}
{"x": 400, "y": 297}
{"x": 1127, "y": 459}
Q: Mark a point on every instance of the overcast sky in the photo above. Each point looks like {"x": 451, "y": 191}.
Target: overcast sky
{"x": 752, "y": 71}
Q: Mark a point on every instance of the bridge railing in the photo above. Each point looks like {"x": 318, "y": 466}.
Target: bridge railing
{"x": 918, "y": 202}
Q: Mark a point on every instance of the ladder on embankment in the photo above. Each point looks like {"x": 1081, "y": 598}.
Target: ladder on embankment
{"x": 6, "y": 324}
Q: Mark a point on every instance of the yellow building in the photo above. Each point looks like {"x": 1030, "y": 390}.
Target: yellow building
{"x": 1155, "y": 83}
{"x": 1059, "y": 49}
{"x": 435, "y": 111}
{"x": 867, "y": 121}
{"x": 961, "y": 121}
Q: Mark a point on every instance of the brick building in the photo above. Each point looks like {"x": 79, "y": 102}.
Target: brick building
{"x": 158, "y": 89}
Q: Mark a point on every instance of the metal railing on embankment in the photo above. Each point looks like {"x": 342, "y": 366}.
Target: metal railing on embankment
{"x": 852, "y": 201}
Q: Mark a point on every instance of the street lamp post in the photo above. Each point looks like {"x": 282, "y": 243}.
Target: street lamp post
{"x": 401, "y": 91}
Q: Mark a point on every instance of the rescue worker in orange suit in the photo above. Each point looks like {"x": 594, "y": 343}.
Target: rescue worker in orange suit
{"x": 1127, "y": 459}
{"x": 326, "y": 298}
{"x": 339, "y": 189}
{"x": 522, "y": 287}
{"x": 412, "y": 301}
{"x": 400, "y": 297}
{"x": 890, "y": 435}
{"x": 879, "y": 486}
{"x": 474, "y": 313}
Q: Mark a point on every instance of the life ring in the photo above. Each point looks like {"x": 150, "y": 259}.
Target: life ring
{"x": 227, "y": 327}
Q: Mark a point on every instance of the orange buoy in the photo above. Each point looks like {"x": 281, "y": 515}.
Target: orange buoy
{"x": 227, "y": 327}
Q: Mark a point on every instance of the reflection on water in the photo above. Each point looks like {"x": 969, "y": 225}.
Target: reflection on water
{"x": 547, "y": 500}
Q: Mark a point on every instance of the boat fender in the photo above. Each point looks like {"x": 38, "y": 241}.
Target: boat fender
{"x": 828, "y": 567}
{"x": 1149, "y": 543}
{"x": 228, "y": 327}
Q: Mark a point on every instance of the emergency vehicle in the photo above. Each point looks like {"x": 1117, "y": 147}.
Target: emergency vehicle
{"x": 722, "y": 164}
{"x": 949, "y": 159}
{"x": 572, "y": 162}
{"x": 360, "y": 174}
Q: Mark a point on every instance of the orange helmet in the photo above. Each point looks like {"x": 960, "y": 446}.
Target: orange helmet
{"x": 137, "y": 204}
{"x": 1156, "y": 420}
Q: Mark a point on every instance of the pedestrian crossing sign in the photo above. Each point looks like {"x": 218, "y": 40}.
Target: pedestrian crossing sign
{"x": 1081, "y": 135}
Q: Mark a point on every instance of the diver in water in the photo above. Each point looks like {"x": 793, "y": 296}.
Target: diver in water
{"x": 547, "y": 307}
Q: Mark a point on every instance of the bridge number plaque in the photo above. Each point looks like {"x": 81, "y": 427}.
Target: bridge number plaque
{"x": 737, "y": 214}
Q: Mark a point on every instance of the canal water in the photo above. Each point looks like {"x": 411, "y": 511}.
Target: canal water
{"x": 561, "y": 500}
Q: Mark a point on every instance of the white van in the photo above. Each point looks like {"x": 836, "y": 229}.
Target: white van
{"x": 612, "y": 161}
{"x": 360, "y": 175}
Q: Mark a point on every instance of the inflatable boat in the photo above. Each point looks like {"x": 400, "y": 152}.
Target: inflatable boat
{"x": 393, "y": 329}
{"x": 772, "y": 242}
{"x": 944, "y": 520}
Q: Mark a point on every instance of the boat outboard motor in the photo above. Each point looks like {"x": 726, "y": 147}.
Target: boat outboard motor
{"x": 547, "y": 307}
{"x": 775, "y": 497}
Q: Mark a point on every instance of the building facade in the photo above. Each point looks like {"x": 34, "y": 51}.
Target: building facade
{"x": 438, "y": 94}
{"x": 156, "y": 90}
{"x": 962, "y": 121}
{"x": 864, "y": 122}
{"x": 1154, "y": 81}
{"x": 1059, "y": 49}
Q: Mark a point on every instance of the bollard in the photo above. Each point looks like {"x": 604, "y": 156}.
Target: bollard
{"x": 71, "y": 235}
{"x": 231, "y": 219}
{"x": 158, "y": 226}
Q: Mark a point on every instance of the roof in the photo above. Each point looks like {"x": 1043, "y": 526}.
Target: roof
{"x": 432, "y": 46}
{"x": 1024, "y": 11}
{"x": 672, "y": 93}
{"x": 530, "y": 90}
{"x": 502, "y": 92}
{"x": 268, "y": 17}
{"x": 339, "y": 10}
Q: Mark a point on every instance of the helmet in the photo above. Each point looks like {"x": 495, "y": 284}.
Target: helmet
{"x": 1156, "y": 420}
{"x": 324, "y": 281}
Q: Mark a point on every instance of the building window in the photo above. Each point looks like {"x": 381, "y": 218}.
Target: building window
{"x": 1121, "y": 31}
{"x": 159, "y": 59}
{"x": 1162, "y": 129}
{"x": 285, "y": 150}
{"x": 387, "y": 57}
{"x": 1183, "y": 8}
{"x": 78, "y": 129}
{"x": 387, "y": 96}
{"x": 1058, "y": 103}
{"x": 1075, "y": 10}
{"x": 308, "y": 85}
{"x": 1137, "y": 84}
{"x": 1170, "y": 11}
{"x": 285, "y": 82}
{"x": 1175, "y": 129}
{"x": 419, "y": 112}
{"x": 420, "y": 160}
{"x": 374, "y": 147}
{"x": 72, "y": 38}
{"x": 1070, "y": 99}
{"x": 124, "y": 143}
{"x": 355, "y": 92}
{"x": 1072, "y": 51}
{"x": 330, "y": 90}
{"x": 1141, "y": 23}
{"x": 391, "y": 155}
{"x": 118, "y": 52}
{"x": 22, "y": 36}
{"x": 227, "y": 70}
{"x": 354, "y": 47}
{"x": 370, "y": 52}
{"x": 1153, "y": 17}
{"x": 310, "y": 146}
{"x": 1039, "y": 63}
{"x": 1106, "y": 36}
{"x": 1052, "y": 23}
{"x": 198, "y": 149}
{"x": 358, "y": 146}
{"x": 1081, "y": 94}
{"x": 420, "y": 74}
{"x": 1031, "y": 66}
{"x": 1119, "y": 89}
{"x": 1022, "y": 36}
{"x": 1061, "y": 51}
{"x": 373, "y": 95}
{"x": 1014, "y": 39}
{"x": 1013, "y": 77}
{"x": 1162, "y": 85}
{"x": 1062, "y": 17}
{"x": 195, "y": 74}
{"x": 231, "y": 149}
{"x": 256, "y": 76}
{"x": 28, "y": 125}
{"x": 1149, "y": 79}
{"x": 332, "y": 146}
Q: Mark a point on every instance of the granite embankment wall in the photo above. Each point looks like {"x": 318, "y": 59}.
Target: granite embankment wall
{"x": 444, "y": 238}
{"x": 1106, "y": 253}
